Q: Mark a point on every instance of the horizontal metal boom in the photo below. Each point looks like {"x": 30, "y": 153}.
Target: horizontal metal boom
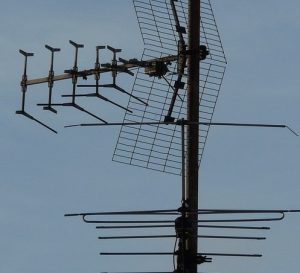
{"x": 130, "y": 64}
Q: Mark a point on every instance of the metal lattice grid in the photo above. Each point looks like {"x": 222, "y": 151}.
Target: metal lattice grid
{"x": 158, "y": 147}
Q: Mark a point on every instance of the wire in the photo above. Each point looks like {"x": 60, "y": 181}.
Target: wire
{"x": 174, "y": 266}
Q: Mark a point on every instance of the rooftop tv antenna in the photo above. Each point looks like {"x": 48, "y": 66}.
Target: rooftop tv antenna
{"x": 166, "y": 123}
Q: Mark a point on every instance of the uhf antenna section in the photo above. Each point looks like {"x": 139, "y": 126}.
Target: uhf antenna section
{"x": 163, "y": 25}
{"x": 74, "y": 74}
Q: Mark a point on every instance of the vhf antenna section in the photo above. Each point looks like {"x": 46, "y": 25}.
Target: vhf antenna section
{"x": 172, "y": 224}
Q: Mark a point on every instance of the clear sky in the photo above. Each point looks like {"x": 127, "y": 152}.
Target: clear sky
{"x": 44, "y": 176}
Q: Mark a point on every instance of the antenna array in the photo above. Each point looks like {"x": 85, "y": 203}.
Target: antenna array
{"x": 156, "y": 121}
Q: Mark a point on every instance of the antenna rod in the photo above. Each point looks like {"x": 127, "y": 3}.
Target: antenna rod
{"x": 174, "y": 236}
{"x": 188, "y": 229}
{"x": 179, "y": 122}
{"x": 170, "y": 253}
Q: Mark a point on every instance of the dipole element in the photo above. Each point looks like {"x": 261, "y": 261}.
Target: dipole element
{"x": 192, "y": 133}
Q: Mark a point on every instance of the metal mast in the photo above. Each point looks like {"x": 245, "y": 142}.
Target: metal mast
{"x": 192, "y": 133}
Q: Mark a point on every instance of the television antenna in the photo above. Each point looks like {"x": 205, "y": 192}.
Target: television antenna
{"x": 166, "y": 92}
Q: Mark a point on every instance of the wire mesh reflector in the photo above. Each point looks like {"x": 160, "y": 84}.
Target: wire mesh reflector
{"x": 158, "y": 147}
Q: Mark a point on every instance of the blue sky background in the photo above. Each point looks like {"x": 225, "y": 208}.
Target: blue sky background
{"x": 44, "y": 175}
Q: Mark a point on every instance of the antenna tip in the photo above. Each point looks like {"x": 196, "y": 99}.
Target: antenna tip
{"x": 72, "y": 215}
{"x": 72, "y": 125}
{"x": 26, "y": 54}
{"x": 292, "y": 131}
{"x": 52, "y": 49}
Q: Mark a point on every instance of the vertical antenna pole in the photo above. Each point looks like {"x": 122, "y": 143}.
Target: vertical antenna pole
{"x": 192, "y": 133}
